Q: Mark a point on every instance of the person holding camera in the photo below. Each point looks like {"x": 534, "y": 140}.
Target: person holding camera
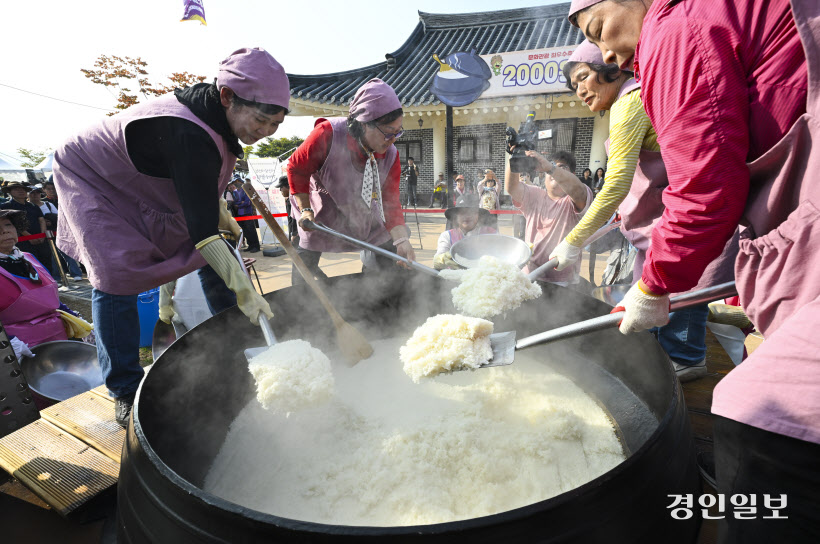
{"x": 346, "y": 176}
{"x": 552, "y": 212}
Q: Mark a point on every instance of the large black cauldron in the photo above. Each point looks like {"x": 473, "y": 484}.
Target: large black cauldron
{"x": 198, "y": 386}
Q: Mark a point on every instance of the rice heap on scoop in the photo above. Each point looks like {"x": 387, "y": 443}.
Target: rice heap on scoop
{"x": 292, "y": 375}
{"x": 492, "y": 288}
{"x": 445, "y": 343}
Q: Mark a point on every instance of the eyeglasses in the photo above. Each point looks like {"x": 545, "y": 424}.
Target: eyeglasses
{"x": 388, "y": 136}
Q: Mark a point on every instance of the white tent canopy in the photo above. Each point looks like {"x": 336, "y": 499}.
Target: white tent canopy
{"x": 9, "y": 172}
{"x": 47, "y": 165}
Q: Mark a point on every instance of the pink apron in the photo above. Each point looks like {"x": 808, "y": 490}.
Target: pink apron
{"x": 128, "y": 228}
{"x": 32, "y": 317}
{"x": 643, "y": 206}
{"x": 336, "y": 198}
{"x": 778, "y": 272}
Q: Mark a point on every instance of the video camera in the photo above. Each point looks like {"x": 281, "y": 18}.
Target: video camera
{"x": 522, "y": 141}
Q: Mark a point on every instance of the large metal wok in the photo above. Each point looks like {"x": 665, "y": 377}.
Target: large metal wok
{"x": 196, "y": 388}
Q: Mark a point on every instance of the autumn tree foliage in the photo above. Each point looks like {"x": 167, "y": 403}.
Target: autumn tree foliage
{"x": 33, "y": 158}
{"x": 129, "y": 79}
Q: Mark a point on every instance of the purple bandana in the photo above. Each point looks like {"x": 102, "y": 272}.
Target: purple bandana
{"x": 253, "y": 74}
{"x": 374, "y": 99}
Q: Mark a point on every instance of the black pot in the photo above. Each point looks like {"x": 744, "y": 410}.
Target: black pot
{"x": 197, "y": 387}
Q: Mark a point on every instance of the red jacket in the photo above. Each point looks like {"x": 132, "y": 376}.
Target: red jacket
{"x": 722, "y": 82}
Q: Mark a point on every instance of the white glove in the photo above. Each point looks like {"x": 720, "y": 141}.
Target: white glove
{"x": 567, "y": 254}
{"x": 166, "y": 301}
{"x": 643, "y": 311}
{"x": 445, "y": 260}
{"x": 226, "y": 220}
{"x": 219, "y": 255}
{"x": 20, "y": 348}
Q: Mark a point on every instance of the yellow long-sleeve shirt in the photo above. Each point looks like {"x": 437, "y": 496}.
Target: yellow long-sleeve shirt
{"x": 629, "y": 131}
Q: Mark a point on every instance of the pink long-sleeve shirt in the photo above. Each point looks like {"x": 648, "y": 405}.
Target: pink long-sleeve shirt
{"x": 722, "y": 82}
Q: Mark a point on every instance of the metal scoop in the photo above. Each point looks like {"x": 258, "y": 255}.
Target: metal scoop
{"x": 375, "y": 249}
{"x": 267, "y": 331}
{"x": 504, "y": 343}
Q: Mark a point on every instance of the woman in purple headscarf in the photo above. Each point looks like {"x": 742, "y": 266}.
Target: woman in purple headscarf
{"x": 140, "y": 200}
{"x": 731, "y": 86}
{"x": 346, "y": 175}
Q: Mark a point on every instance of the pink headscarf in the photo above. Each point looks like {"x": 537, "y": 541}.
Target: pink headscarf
{"x": 578, "y": 5}
{"x": 374, "y": 99}
{"x": 253, "y": 74}
{"x": 587, "y": 52}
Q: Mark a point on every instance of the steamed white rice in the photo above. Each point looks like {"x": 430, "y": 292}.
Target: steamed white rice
{"x": 446, "y": 343}
{"x": 492, "y": 288}
{"x": 292, "y": 375}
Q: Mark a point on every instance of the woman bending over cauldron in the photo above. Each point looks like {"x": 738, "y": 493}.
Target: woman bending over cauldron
{"x": 636, "y": 179}
{"x": 30, "y": 308}
{"x": 346, "y": 176}
{"x": 140, "y": 201}
{"x": 727, "y": 86}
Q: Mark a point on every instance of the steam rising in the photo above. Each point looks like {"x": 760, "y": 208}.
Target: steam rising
{"x": 388, "y": 452}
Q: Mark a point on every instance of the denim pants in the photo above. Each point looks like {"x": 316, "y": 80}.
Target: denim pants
{"x": 117, "y": 328}
{"x": 73, "y": 266}
{"x": 684, "y": 337}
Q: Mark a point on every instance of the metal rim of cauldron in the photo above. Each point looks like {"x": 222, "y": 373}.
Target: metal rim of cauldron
{"x": 209, "y": 500}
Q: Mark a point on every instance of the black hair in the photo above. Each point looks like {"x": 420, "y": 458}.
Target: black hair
{"x": 587, "y": 170}
{"x": 595, "y": 177}
{"x": 356, "y": 128}
{"x": 410, "y": 159}
{"x": 267, "y": 109}
{"x": 610, "y": 72}
{"x": 565, "y": 156}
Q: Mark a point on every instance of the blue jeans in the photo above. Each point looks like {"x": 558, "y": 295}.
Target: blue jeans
{"x": 217, "y": 294}
{"x": 684, "y": 337}
{"x": 117, "y": 328}
{"x": 73, "y": 266}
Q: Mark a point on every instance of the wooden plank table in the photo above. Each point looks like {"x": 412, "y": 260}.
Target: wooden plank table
{"x": 71, "y": 454}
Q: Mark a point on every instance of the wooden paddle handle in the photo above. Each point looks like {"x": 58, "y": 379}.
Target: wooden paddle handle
{"x": 300, "y": 265}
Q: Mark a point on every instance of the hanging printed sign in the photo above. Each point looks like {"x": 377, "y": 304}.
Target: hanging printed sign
{"x": 464, "y": 77}
{"x": 528, "y": 72}
{"x": 194, "y": 11}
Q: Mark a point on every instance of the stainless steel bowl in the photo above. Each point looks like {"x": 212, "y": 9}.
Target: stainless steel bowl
{"x": 611, "y": 294}
{"x": 469, "y": 250}
{"x": 62, "y": 369}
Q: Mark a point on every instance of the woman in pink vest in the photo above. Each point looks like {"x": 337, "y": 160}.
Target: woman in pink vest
{"x": 28, "y": 293}
{"x": 731, "y": 87}
{"x": 346, "y": 176}
{"x": 140, "y": 193}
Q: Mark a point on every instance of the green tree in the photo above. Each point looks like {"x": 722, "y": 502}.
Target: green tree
{"x": 277, "y": 147}
{"x": 33, "y": 158}
{"x": 122, "y": 72}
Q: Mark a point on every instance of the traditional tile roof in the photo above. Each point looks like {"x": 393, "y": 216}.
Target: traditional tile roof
{"x": 410, "y": 69}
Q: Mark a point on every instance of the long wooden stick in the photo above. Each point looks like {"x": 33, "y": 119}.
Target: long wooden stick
{"x": 353, "y": 344}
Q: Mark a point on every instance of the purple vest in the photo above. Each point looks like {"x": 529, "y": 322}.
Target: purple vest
{"x": 127, "y": 227}
{"x": 336, "y": 198}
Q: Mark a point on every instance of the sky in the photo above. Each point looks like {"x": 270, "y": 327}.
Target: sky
{"x": 45, "y": 44}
